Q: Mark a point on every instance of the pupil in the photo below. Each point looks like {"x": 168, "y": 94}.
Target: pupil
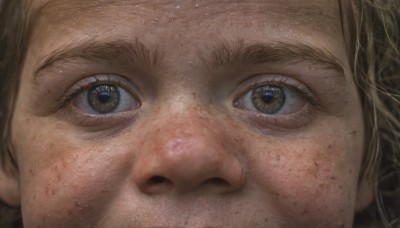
{"x": 104, "y": 96}
{"x": 267, "y": 97}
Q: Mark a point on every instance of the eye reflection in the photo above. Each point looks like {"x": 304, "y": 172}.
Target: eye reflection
{"x": 105, "y": 99}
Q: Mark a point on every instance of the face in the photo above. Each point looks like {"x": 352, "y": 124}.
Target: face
{"x": 182, "y": 113}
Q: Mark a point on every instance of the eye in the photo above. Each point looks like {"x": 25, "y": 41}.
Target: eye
{"x": 272, "y": 100}
{"x": 105, "y": 99}
{"x": 268, "y": 99}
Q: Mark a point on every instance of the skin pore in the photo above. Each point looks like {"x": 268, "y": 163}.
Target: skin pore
{"x": 190, "y": 143}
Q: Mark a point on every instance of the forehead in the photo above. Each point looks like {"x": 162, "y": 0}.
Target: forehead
{"x": 310, "y": 13}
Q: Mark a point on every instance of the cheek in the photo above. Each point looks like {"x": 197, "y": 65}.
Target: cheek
{"x": 71, "y": 181}
{"x": 310, "y": 178}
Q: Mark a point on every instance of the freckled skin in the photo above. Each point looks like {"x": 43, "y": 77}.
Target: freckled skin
{"x": 187, "y": 158}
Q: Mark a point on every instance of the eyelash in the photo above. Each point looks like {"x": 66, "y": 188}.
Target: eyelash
{"x": 274, "y": 123}
{"x": 298, "y": 88}
{"x": 90, "y": 82}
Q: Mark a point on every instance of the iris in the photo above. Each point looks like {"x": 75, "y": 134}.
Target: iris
{"x": 268, "y": 99}
{"x": 104, "y": 98}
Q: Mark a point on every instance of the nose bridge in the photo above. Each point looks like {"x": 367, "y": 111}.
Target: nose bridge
{"x": 185, "y": 151}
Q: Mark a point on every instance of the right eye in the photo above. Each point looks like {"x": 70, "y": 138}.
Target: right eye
{"x": 104, "y": 99}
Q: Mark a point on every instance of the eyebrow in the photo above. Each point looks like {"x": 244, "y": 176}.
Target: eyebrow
{"x": 117, "y": 52}
{"x": 261, "y": 53}
{"x": 224, "y": 54}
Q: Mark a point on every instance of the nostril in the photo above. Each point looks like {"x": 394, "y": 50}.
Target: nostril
{"x": 159, "y": 180}
{"x": 217, "y": 181}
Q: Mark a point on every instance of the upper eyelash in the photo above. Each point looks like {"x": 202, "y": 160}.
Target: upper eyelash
{"x": 283, "y": 82}
{"x": 67, "y": 99}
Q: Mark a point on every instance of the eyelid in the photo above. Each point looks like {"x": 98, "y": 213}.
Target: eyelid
{"x": 276, "y": 123}
{"x": 277, "y": 80}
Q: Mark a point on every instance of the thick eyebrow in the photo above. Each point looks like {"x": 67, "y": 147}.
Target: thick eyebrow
{"x": 224, "y": 54}
{"x": 261, "y": 53}
{"x": 117, "y": 52}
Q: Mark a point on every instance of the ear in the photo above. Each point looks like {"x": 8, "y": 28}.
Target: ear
{"x": 9, "y": 187}
{"x": 365, "y": 194}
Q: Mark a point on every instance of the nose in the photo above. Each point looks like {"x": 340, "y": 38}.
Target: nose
{"x": 188, "y": 152}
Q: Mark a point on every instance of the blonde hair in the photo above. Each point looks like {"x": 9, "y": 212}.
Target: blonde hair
{"x": 377, "y": 74}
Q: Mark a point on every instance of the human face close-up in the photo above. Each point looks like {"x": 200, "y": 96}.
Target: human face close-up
{"x": 188, "y": 113}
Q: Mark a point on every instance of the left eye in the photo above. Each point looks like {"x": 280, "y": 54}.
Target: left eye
{"x": 105, "y": 99}
{"x": 272, "y": 100}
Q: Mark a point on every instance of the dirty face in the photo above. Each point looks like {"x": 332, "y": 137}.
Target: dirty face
{"x": 188, "y": 113}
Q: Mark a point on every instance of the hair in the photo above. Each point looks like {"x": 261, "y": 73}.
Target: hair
{"x": 374, "y": 48}
{"x": 377, "y": 74}
{"x": 13, "y": 37}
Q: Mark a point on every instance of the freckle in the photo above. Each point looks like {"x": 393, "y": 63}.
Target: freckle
{"x": 323, "y": 186}
{"x": 69, "y": 212}
{"x": 305, "y": 212}
{"x": 194, "y": 95}
{"x": 329, "y": 146}
{"x": 47, "y": 190}
{"x": 275, "y": 194}
{"x": 350, "y": 171}
{"x": 31, "y": 172}
{"x": 236, "y": 212}
{"x": 266, "y": 220}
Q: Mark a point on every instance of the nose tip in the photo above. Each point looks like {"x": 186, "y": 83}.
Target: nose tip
{"x": 187, "y": 162}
